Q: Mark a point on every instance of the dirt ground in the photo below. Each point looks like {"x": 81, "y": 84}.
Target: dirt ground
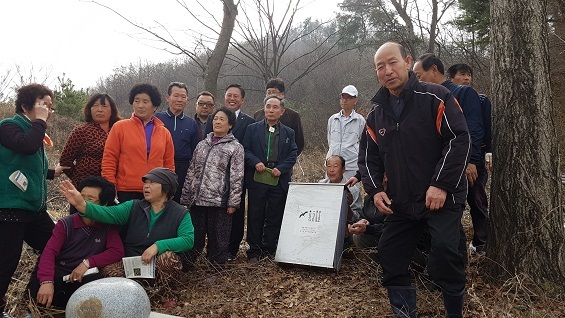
{"x": 267, "y": 289}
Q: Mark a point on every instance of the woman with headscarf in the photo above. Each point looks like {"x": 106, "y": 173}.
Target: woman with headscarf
{"x": 156, "y": 225}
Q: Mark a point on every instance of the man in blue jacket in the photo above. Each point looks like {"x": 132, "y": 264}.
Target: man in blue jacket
{"x": 184, "y": 130}
{"x": 429, "y": 68}
{"x": 416, "y": 134}
{"x": 270, "y": 148}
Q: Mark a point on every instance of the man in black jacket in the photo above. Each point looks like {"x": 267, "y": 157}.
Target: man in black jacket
{"x": 416, "y": 134}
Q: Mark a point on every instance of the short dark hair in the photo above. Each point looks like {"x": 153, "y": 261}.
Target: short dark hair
{"x": 176, "y": 84}
{"x": 206, "y": 93}
{"x": 148, "y": 89}
{"x": 167, "y": 190}
{"x": 340, "y": 158}
{"x": 28, "y": 94}
{"x": 277, "y": 83}
{"x": 107, "y": 188}
{"x": 429, "y": 59}
{"x": 229, "y": 113}
{"x": 455, "y": 68}
{"x": 273, "y": 96}
{"x": 102, "y": 97}
{"x": 241, "y": 90}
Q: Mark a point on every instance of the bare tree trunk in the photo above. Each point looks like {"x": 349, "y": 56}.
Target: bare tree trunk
{"x": 220, "y": 49}
{"x": 527, "y": 233}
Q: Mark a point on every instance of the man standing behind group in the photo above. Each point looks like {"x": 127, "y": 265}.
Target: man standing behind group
{"x": 429, "y": 68}
{"x": 344, "y": 131}
{"x": 290, "y": 118}
{"x": 268, "y": 144}
{"x": 183, "y": 129}
{"x": 234, "y": 98}
{"x": 417, "y": 135}
{"x": 205, "y": 103}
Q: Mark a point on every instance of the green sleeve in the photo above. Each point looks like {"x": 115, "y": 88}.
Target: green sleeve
{"x": 184, "y": 240}
{"x": 118, "y": 214}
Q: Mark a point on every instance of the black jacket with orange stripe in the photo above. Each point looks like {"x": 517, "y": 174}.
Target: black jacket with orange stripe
{"x": 428, "y": 145}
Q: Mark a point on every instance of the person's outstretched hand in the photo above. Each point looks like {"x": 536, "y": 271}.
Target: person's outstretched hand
{"x": 74, "y": 197}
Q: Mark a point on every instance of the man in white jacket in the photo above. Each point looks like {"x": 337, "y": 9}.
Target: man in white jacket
{"x": 345, "y": 129}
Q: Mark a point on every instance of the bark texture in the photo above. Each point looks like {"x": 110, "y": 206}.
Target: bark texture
{"x": 527, "y": 230}
{"x": 220, "y": 49}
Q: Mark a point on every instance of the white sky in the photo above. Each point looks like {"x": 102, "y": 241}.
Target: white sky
{"x": 86, "y": 41}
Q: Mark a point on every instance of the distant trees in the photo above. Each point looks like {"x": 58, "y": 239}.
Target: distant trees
{"x": 68, "y": 100}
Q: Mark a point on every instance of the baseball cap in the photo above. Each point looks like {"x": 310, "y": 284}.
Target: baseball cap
{"x": 163, "y": 176}
{"x": 350, "y": 90}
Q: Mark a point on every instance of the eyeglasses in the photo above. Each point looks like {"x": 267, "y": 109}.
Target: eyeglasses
{"x": 205, "y": 104}
{"x": 347, "y": 97}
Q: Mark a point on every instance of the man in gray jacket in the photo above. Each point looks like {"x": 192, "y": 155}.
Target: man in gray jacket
{"x": 345, "y": 129}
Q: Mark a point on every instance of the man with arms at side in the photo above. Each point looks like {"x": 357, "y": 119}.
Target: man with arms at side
{"x": 205, "y": 103}
{"x": 183, "y": 129}
{"x": 268, "y": 144}
{"x": 290, "y": 118}
{"x": 462, "y": 74}
{"x": 345, "y": 129}
{"x": 416, "y": 134}
{"x": 234, "y": 98}
{"x": 429, "y": 68}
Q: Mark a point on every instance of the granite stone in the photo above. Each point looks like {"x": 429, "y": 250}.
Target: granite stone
{"x": 108, "y": 298}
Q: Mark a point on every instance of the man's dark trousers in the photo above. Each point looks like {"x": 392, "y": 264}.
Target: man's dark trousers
{"x": 400, "y": 238}
{"x": 264, "y": 218}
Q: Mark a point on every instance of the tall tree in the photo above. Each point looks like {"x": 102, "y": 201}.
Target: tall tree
{"x": 527, "y": 233}
{"x": 211, "y": 65}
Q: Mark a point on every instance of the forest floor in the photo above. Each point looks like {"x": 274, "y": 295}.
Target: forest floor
{"x": 267, "y": 289}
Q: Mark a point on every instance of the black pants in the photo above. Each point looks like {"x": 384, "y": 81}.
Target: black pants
{"x": 181, "y": 169}
{"x": 400, "y": 238}
{"x": 35, "y": 231}
{"x": 62, "y": 290}
{"x": 237, "y": 226}
{"x": 478, "y": 204}
{"x": 264, "y": 218}
{"x": 124, "y": 196}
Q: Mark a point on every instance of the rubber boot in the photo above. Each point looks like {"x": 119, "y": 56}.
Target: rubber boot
{"x": 453, "y": 304}
{"x": 403, "y": 301}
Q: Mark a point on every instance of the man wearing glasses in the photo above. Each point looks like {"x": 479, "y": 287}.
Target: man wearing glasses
{"x": 184, "y": 130}
{"x": 345, "y": 129}
{"x": 205, "y": 103}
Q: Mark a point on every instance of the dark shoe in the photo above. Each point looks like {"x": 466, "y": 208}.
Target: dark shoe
{"x": 231, "y": 258}
{"x": 403, "y": 301}
{"x": 453, "y": 304}
{"x": 253, "y": 260}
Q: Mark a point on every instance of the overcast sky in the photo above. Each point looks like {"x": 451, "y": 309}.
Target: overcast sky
{"x": 86, "y": 41}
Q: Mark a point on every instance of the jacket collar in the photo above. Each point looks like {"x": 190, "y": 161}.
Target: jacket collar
{"x": 171, "y": 115}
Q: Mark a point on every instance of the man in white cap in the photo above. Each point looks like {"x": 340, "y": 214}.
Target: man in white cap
{"x": 345, "y": 129}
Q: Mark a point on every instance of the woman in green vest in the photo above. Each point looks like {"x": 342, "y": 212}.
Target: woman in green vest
{"x": 23, "y": 185}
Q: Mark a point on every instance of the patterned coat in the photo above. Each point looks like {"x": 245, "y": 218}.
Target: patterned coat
{"x": 215, "y": 175}
{"x": 83, "y": 152}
